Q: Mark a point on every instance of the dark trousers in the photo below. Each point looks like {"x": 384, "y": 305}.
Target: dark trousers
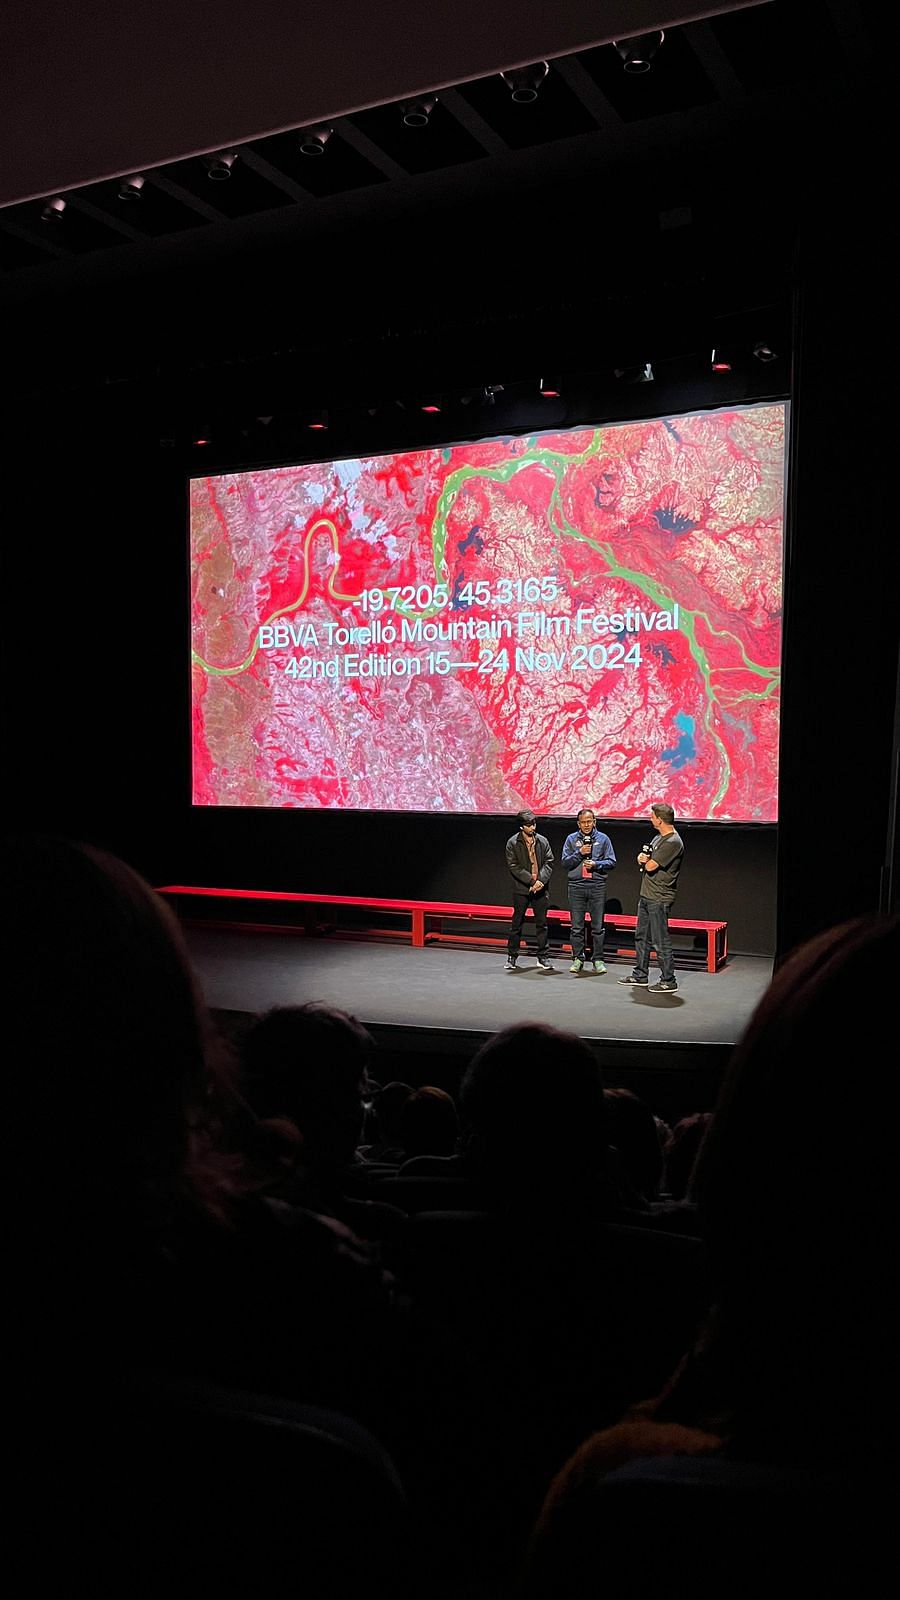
{"x": 587, "y": 896}
{"x": 538, "y": 904}
{"x": 652, "y": 932}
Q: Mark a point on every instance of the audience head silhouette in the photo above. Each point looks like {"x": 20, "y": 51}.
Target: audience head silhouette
{"x": 164, "y": 1311}
{"x": 797, "y": 1203}
{"x": 382, "y": 1124}
{"x": 429, "y": 1125}
{"x": 633, "y": 1132}
{"x": 118, "y": 1076}
{"x": 310, "y": 1064}
{"x": 770, "y": 1447}
{"x": 532, "y": 1109}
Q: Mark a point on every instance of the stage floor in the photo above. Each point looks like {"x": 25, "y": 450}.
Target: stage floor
{"x": 442, "y": 1002}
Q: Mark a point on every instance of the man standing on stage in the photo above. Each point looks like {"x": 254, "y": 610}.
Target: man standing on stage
{"x": 587, "y": 858}
{"x": 660, "y": 864}
{"x": 530, "y": 860}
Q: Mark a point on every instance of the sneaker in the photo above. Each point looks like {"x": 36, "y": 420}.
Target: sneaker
{"x": 637, "y": 983}
{"x": 576, "y": 965}
{"x": 665, "y": 986}
{"x": 599, "y": 967}
{"x": 545, "y": 964}
{"x": 512, "y": 964}
{"x": 588, "y": 965}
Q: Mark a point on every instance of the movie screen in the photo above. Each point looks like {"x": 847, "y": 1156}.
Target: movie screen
{"x": 586, "y": 616}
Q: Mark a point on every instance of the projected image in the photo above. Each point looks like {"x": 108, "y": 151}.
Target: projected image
{"x": 589, "y": 616}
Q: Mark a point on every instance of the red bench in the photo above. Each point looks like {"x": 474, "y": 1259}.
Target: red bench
{"x": 426, "y": 917}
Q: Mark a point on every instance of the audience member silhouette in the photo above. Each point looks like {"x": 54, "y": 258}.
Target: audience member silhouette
{"x": 551, "y": 1302}
{"x": 534, "y": 1120}
{"x": 789, "y": 1392}
{"x": 681, "y": 1152}
{"x": 310, "y": 1063}
{"x": 381, "y": 1139}
{"x": 147, "y": 1264}
{"x": 634, "y": 1135}
{"x": 429, "y": 1124}
{"x": 130, "y": 1136}
{"x": 308, "y": 1066}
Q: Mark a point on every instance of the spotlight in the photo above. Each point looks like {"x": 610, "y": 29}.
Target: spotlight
{"x": 763, "y": 351}
{"x": 416, "y": 113}
{"x": 431, "y": 406}
{"x": 314, "y": 140}
{"x": 640, "y": 374}
{"x": 550, "y": 389}
{"x": 318, "y": 421}
{"x": 53, "y": 210}
{"x": 637, "y": 53}
{"x": 219, "y": 166}
{"x": 719, "y": 362}
{"x": 130, "y": 188}
{"x": 524, "y": 82}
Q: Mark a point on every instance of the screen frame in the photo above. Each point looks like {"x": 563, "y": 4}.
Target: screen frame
{"x": 218, "y": 463}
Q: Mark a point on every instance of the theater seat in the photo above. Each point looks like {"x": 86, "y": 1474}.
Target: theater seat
{"x": 431, "y": 1193}
{"x": 191, "y": 1490}
{"x": 704, "y": 1527}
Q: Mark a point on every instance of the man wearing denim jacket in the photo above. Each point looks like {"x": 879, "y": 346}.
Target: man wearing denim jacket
{"x": 587, "y": 859}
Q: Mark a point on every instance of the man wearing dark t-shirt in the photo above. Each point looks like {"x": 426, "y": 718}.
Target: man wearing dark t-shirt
{"x": 660, "y": 864}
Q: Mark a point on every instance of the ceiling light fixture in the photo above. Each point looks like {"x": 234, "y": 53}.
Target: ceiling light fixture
{"x": 763, "y": 351}
{"x": 318, "y": 421}
{"x": 218, "y": 167}
{"x": 550, "y": 389}
{"x": 639, "y": 374}
{"x": 719, "y": 362}
{"x": 637, "y": 53}
{"x": 130, "y": 188}
{"x": 53, "y": 210}
{"x": 417, "y": 113}
{"x": 524, "y": 82}
{"x": 314, "y": 140}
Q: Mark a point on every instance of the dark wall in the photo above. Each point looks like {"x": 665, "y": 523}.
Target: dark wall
{"x": 729, "y": 872}
{"x": 838, "y": 771}
{"x": 98, "y": 722}
{"x": 106, "y": 388}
